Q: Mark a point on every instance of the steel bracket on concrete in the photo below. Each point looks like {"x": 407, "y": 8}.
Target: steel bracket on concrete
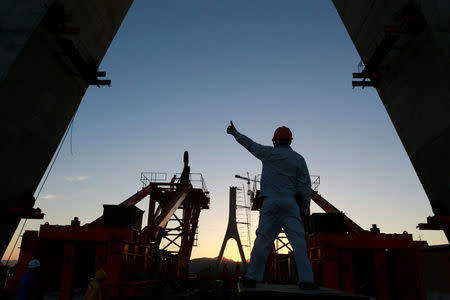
{"x": 23, "y": 212}
{"x": 363, "y": 84}
{"x": 373, "y": 78}
{"x": 412, "y": 22}
{"x": 22, "y": 208}
{"x": 88, "y": 71}
{"x": 371, "y": 68}
{"x": 435, "y": 223}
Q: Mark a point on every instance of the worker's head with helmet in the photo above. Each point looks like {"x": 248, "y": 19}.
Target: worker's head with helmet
{"x": 34, "y": 266}
{"x": 282, "y": 136}
{"x": 100, "y": 275}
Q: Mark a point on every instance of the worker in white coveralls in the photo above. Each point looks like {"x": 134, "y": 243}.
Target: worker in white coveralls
{"x": 285, "y": 185}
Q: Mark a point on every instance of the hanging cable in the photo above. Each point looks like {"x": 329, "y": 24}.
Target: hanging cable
{"x": 43, "y": 183}
{"x": 71, "y": 133}
{"x": 56, "y": 156}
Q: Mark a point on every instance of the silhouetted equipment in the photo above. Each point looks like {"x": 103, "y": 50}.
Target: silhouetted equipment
{"x": 63, "y": 40}
{"x": 327, "y": 222}
{"x": 75, "y": 222}
{"x": 375, "y": 229}
{"x": 136, "y": 261}
{"x": 122, "y": 216}
{"x": 184, "y": 178}
{"x": 346, "y": 257}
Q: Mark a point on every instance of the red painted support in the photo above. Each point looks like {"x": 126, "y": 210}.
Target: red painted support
{"x": 169, "y": 209}
{"x": 169, "y": 202}
{"x": 113, "y": 269}
{"x": 67, "y": 272}
{"x": 100, "y": 256}
{"x": 381, "y": 279}
{"x": 191, "y": 214}
{"x": 123, "y": 251}
{"x": 151, "y": 211}
{"x": 330, "y": 268}
{"x": 347, "y": 279}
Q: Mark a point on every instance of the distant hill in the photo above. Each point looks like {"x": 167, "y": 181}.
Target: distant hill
{"x": 201, "y": 264}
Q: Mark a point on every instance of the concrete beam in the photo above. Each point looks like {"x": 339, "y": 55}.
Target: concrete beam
{"x": 413, "y": 86}
{"x": 41, "y": 85}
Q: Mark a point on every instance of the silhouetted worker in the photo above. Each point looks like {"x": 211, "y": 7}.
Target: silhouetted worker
{"x": 284, "y": 179}
{"x": 94, "y": 290}
{"x": 28, "y": 284}
{"x": 172, "y": 182}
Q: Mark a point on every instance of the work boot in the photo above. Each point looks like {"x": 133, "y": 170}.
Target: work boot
{"x": 308, "y": 286}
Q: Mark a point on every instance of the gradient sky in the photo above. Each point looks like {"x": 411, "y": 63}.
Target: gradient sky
{"x": 181, "y": 70}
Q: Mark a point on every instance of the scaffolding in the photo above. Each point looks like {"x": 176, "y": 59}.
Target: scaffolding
{"x": 281, "y": 243}
{"x": 243, "y": 219}
{"x": 172, "y": 236}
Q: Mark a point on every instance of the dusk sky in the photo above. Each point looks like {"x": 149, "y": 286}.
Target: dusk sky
{"x": 181, "y": 70}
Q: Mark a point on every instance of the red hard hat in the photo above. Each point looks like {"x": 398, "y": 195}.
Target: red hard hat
{"x": 282, "y": 133}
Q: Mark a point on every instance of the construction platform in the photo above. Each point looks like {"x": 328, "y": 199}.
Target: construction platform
{"x": 264, "y": 291}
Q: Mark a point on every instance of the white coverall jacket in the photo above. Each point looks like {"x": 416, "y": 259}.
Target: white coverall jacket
{"x": 284, "y": 175}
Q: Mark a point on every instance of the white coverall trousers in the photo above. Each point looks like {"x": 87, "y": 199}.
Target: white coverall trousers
{"x": 284, "y": 177}
{"x": 273, "y": 217}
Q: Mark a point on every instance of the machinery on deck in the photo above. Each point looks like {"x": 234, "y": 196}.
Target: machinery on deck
{"x": 135, "y": 260}
{"x": 346, "y": 257}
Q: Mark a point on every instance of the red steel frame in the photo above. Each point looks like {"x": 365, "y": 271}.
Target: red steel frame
{"x": 393, "y": 259}
{"x": 121, "y": 252}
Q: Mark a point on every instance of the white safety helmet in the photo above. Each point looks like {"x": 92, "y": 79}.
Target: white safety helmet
{"x": 34, "y": 264}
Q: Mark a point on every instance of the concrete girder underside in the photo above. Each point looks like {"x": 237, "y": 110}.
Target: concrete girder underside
{"x": 414, "y": 83}
{"x": 48, "y": 52}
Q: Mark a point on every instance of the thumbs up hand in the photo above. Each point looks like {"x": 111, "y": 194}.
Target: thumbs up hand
{"x": 231, "y": 129}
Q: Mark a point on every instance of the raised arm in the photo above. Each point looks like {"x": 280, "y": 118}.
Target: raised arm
{"x": 259, "y": 151}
